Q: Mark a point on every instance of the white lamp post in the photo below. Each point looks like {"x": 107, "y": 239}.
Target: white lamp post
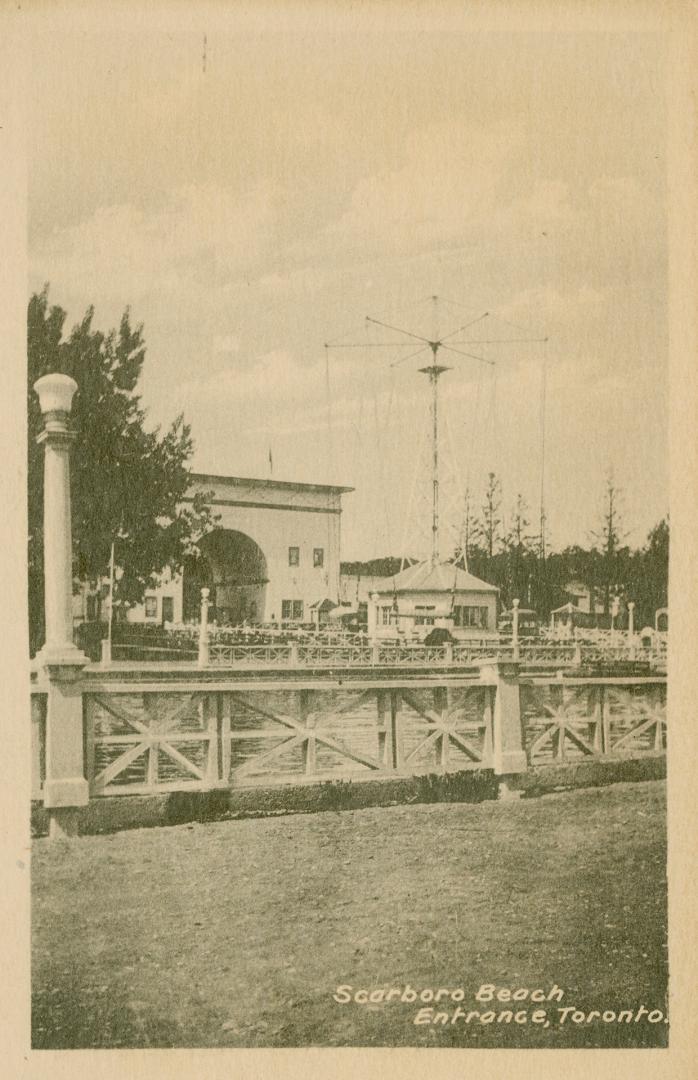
{"x": 373, "y": 620}
{"x": 65, "y": 786}
{"x": 55, "y": 394}
{"x": 615, "y": 608}
{"x": 203, "y": 629}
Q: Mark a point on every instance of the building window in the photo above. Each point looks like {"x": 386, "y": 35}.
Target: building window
{"x": 168, "y": 609}
{"x": 424, "y": 614}
{"x": 318, "y": 556}
{"x": 151, "y": 607}
{"x": 292, "y": 610}
{"x": 473, "y": 617}
{"x": 294, "y": 556}
{"x": 385, "y": 615}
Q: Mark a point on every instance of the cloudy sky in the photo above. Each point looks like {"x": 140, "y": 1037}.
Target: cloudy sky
{"x": 256, "y": 195}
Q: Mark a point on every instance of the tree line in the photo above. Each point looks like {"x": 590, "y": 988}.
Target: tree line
{"x": 509, "y": 551}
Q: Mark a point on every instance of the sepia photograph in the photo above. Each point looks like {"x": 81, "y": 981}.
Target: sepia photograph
{"x": 348, "y": 358}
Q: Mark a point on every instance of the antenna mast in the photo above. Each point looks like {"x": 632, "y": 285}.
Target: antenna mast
{"x": 434, "y": 371}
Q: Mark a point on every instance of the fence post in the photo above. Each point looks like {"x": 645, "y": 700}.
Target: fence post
{"x": 508, "y": 753}
{"x": 106, "y": 652}
{"x": 515, "y": 628}
{"x": 65, "y": 786}
{"x": 631, "y": 628}
{"x": 203, "y": 630}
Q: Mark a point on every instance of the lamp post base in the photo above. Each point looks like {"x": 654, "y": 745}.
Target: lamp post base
{"x": 63, "y": 661}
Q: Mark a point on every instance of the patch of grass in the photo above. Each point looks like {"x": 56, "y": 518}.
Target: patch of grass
{"x": 238, "y": 933}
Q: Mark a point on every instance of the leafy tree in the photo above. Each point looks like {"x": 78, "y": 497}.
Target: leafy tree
{"x": 650, "y": 588}
{"x": 127, "y": 482}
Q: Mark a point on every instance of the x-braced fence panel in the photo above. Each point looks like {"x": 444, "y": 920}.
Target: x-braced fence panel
{"x": 147, "y": 742}
{"x": 577, "y": 720}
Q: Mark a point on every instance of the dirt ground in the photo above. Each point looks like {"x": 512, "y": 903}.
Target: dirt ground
{"x": 239, "y": 933}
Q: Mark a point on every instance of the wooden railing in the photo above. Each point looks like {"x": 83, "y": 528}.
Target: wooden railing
{"x": 579, "y": 718}
{"x": 148, "y": 734}
{"x": 146, "y": 743}
{"x": 251, "y": 655}
{"x": 305, "y": 654}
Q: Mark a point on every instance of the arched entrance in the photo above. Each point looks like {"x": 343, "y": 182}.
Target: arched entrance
{"x": 233, "y": 567}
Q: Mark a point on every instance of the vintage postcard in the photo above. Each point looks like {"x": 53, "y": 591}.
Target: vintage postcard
{"x": 352, "y": 402}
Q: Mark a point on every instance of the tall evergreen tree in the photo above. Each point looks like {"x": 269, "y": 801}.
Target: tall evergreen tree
{"x": 608, "y": 539}
{"x": 520, "y": 555}
{"x": 491, "y": 520}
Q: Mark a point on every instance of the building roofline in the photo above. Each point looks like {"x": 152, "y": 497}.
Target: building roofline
{"x": 402, "y": 589}
{"x": 287, "y": 485}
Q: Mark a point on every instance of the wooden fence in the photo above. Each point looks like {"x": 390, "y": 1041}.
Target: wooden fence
{"x": 156, "y": 731}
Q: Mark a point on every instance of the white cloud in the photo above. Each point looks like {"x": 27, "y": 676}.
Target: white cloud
{"x": 449, "y": 178}
{"x": 131, "y": 252}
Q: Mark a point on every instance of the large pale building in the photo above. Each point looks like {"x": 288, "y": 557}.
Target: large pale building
{"x": 273, "y": 555}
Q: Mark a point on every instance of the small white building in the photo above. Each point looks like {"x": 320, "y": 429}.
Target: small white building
{"x": 423, "y": 596}
{"x": 580, "y": 596}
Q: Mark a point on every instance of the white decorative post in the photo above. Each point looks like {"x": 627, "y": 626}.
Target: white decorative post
{"x": 615, "y": 608}
{"x": 373, "y": 614}
{"x": 65, "y": 787}
{"x": 55, "y": 398}
{"x": 515, "y": 628}
{"x": 508, "y": 751}
{"x": 631, "y": 627}
{"x": 373, "y": 617}
{"x": 203, "y": 629}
